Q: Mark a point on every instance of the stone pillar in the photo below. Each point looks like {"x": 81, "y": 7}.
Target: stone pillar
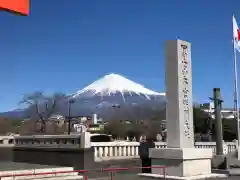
{"x": 218, "y": 121}
{"x": 179, "y": 113}
{"x": 180, "y": 157}
{"x": 85, "y": 140}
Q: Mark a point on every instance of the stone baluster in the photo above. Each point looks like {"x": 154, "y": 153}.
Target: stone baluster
{"x": 120, "y": 151}
{"x": 133, "y": 151}
{"x": 105, "y": 151}
{"x": 115, "y": 151}
{"x": 124, "y": 151}
{"x": 137, "y": 150}
{"x": 110, "y": 151}
{"x": 96, "y": 152}
{"x": 129, "y": 150}
{"x": 100, "y": 152}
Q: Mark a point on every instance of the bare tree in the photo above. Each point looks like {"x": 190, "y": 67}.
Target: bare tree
{"x": 41, "y": 107}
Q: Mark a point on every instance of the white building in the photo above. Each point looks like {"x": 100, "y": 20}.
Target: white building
{"x": 209, "y": 108}
{"x": 56, "y": 117}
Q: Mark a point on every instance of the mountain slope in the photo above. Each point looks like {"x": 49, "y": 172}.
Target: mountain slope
{"x": 110, "y": 94}
{"x": 17, "y": 113}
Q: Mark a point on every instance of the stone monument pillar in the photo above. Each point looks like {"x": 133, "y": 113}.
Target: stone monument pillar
{"x": 178, "y": 82}
{"x": 180, "y": 157}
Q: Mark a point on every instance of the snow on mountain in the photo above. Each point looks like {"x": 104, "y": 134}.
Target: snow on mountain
{"x": 114, "y": 84}
{"x": 113, "y": 93}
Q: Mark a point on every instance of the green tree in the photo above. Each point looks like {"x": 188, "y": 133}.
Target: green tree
{"x": 229, "y": 129}
{"x": 116, "y": 128}
{"x": 135, "y": 129}
{"x": 200, "y": 120}
{"x": 201, "y": 125}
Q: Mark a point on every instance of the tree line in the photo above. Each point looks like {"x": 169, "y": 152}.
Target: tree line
{"x": 24, "y": 127}
{"x": 41, "y": 107}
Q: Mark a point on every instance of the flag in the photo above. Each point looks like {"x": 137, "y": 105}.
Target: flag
{"x": 236, "y": 35}
{"x": 16, "y": 6}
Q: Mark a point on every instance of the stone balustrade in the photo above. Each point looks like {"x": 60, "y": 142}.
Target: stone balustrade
{"x": 126, "y": 150}
{"x": 6, "y": 141}
{"x": 53, "y": 141}
{"x": 115, "y": 150}
{"x": 102, "y": 150}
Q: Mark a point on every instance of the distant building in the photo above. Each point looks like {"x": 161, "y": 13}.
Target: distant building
{"x": 94, "y": 118}
{"x": 95, "y": 128}
{"x": 56, "y": 117}
{"x": 227, "y": 113}
{"x": 80, "y": 128}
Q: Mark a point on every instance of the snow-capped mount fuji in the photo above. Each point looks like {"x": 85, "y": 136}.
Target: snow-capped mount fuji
{"x": 113, "y": 84}
{"x": 109, "y": 95}
{"x": 106, "y": 94}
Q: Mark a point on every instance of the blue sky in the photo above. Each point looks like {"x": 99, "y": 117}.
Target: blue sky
{"x": 64, "y": 46}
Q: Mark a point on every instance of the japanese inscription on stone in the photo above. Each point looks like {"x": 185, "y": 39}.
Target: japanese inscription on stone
{"x": 185, "y": 90}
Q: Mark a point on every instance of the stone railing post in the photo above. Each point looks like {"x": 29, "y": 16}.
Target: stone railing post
{"x": 85, "y": 140}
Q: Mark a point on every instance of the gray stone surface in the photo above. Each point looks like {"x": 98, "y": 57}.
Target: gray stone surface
{"x": 23, "y": 158}
{"x": 179, "y": 116}
{"x": 232, "y": 160}
{"x": 219, "y": 162}
{"x": 9, "y": 166}
{"x": 179, "y": 113}
{"x": 135, "y": 177}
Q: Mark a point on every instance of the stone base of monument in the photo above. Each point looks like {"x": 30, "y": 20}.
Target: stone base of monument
{"x": 197, "y": 177}
{"x": 185, "y": 163}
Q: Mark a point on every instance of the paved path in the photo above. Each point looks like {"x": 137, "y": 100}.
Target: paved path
{"x": 11, "y": 166}
{"x": 135, "y": 177}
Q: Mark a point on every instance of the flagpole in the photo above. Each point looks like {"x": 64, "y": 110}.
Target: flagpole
{"x": 236, "y": 93}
